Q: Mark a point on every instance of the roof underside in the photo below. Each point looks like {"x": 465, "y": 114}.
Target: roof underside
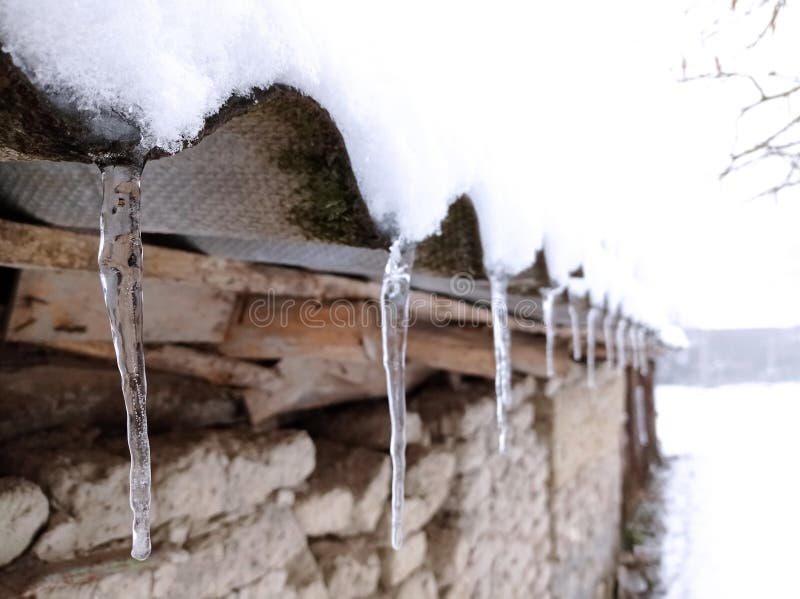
{"x": 270, "y": 182}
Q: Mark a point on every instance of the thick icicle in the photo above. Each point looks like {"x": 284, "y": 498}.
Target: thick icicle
{"x": 120, "y": 262}
{"x": 394, "y": 328}
{"x": 502, "y": 354}
{"x": 576, "y": 332}
{"x": 591, "y": 319}
{"x": 621, "y": 359}
{"x": 608, "y": 338}
{"x": 548, "y": 298}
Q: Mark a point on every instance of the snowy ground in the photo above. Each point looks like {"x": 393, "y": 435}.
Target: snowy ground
{"x": 731, "y": 493}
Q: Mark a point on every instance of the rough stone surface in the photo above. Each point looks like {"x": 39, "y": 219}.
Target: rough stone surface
{"x": 347, "y": 493}
{"x": 351, "y": 568}
{"x": 245, "y": 515}
{"x": 23, "y": 511}
{"x": 195, "y": 477}
{"x": 398, "y": 564}
{"x": 373, "y": 429}
{"x": 429, "y": 476}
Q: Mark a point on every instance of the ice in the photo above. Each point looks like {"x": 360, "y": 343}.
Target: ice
{"x": 548, "y": 298}
{"x": 394, "y": 329}
{"x": 633, "y": 339}
{"x": 591, "y": 324}
{"x": 643, "y": 357}
{"x": 574, "y": 322}
{"x": 502, "y": 355}
{"x": 621, "y": 357}
{"x": 120, "y": 262}
{"x": 608, "y": 338}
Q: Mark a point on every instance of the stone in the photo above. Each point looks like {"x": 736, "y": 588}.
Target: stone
{"x": 350, "y": 568}
{"x": 429, "y": 476}
{"x": 420, "y": 585}
{"x": 347, "y": 493}
{"x": 448, "y": 551}
{"x": 397, "y": 565}
{"x": 23, "y": 511}
{"x": 195, "y": 478}
{"x": 373, "y": 429}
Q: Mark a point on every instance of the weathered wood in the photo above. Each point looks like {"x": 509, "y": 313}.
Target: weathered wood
{"x": 350, "y": 332}
{"x": 28, "y": 246}
{"x": 69, "y": 305}
{"x": 64, "y": 391}
{"x": 292, "y": 385}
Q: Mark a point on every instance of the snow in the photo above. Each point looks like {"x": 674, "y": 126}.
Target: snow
{"x": 731, "y": 521}
{"x": 523, "y": 107}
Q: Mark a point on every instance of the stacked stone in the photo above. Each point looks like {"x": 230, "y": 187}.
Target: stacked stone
{"x": 305, "y": 514}
{"x": 586, "y": 486}
{"x": 223, "y": 519}
{"x": 492, "y": 536}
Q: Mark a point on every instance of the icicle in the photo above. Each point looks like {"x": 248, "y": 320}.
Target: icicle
{"x": 608, "y": 338}
{"x": 621, "y": 358}
{"x": 644, "y": 367}
{"x": 502, "y": 355}
{"x": 120, "y": 262}
{"x": 548, "y": 297}
{"x": 394, "y": 328}
{"x": 634, "y": 340}
{"x": 576, "y": 332}
{"x": 591, "y": 318}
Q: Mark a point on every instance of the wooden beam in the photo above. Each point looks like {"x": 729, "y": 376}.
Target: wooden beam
{"x": 350, "y": 333}
{"x": 292, "y": 385}
{"x": 27, "y": 246}
{"x": 68, "y": 305}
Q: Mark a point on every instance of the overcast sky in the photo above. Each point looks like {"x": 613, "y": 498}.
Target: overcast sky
{"x": 729, "y": 260}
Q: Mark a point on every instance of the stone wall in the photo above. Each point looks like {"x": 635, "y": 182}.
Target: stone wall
{"x": 302, "y": 511}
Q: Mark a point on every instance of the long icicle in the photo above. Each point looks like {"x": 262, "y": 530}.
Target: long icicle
{"x": 608, "y": 338}
{"x": 549, "y": 296}
{"x": 591, "y": 323}
{"x": 621, "y": 359}
{"x": 576, "y": 332}
{"x": 394, "y": 329}
{"x": 502, "y": 354}
{"x": 120, "y": 262}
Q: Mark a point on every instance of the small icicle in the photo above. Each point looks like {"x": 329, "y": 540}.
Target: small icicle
{"x": 502, "y": 354}
{"x": 120, "y": 262}
{"x": 574, "y": 322}
{"x": 644, "y": 366}
{"x": 548, "y": 298}
{"x": 608, "y": 338}
{"x": 634, "y": 340}
{"x": 621, "y": 358}
{"x": 394, "y": 329}
{"x": 591, "y": 319}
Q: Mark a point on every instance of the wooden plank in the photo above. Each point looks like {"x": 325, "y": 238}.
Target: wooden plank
{"x": 294, "y": 384}
{"x": 68, "y": 305}
{"x": 27, "y": 246}
{"x": 350, "y": 332}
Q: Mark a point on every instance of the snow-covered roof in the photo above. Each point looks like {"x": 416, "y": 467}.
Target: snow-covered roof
{"x": 433, "y": 101}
